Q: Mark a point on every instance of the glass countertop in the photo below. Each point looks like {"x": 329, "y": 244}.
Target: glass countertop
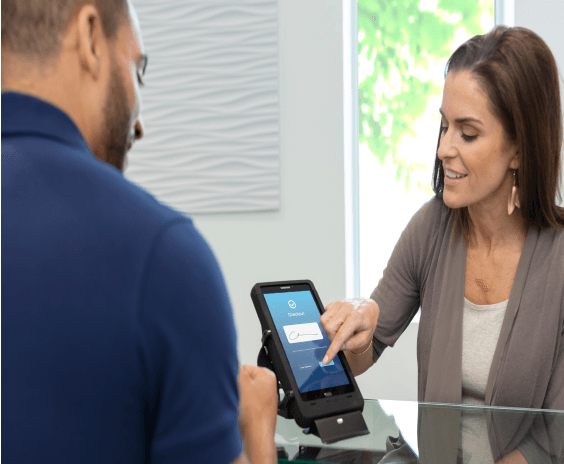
{"x": 412, "y": 432}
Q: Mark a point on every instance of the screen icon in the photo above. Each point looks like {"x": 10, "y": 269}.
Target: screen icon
{"x": 298, "y": 333}
{"x": 292, "y": 304}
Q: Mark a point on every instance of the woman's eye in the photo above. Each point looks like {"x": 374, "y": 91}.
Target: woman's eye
{"x": 443, "y": 128}
{"x": 469, "y": 138}
{"x": 140, "y": 80}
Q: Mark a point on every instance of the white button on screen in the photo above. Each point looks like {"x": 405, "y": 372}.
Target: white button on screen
{"x": 339, "y": 421}
{"x": 304, "y": 367}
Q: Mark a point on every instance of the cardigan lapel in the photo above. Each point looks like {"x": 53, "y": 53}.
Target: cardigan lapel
{"x": 511, "y": 312}
{"x": 444, "y": 378}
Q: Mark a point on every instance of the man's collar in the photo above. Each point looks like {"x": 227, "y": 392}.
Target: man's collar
{"x": 25, "y": 114}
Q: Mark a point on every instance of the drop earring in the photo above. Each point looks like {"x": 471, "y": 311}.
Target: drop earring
{"x": 513, "y": 198}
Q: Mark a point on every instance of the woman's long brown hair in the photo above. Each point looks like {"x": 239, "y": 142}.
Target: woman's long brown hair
{"x": 518, "y": 72}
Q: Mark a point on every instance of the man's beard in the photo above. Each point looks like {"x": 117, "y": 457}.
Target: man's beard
{"x": 116, "y": 130}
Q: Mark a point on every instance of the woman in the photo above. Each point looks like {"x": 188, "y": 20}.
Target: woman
{"x": 485, "y": 257}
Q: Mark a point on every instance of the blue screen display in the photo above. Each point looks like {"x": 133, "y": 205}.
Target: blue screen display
{"x": 296, "y": 318}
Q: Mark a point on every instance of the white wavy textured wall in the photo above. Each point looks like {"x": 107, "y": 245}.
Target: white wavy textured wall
{"x": 210, "y": 105}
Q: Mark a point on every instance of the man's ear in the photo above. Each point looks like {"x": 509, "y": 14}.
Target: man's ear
{"x": 91, "y": 40}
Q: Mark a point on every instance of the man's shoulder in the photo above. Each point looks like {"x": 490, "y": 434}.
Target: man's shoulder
{"x": 92, "y": 201}
{"x": 87, "y": 186}
{"x": 131, "y": 211}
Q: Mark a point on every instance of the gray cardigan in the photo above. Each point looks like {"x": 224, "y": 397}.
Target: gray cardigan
{"x": 425, "y": 270}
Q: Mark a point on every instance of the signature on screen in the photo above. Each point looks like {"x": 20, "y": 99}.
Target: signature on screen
{"x": 294, "y": 335}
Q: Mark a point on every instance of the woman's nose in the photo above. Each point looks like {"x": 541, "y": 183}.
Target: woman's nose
{"x": 446, "y": 148}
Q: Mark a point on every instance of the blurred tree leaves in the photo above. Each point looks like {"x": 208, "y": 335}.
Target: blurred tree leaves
{"x": 397, "y": 37}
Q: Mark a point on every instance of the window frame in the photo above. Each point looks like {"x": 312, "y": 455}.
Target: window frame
{"x": 504, "y": 13}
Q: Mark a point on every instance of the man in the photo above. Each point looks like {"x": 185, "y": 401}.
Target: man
{"x": 118, "y": 342}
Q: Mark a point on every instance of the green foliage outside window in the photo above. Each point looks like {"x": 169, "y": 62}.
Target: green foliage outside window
{"x": 397, "y": 37}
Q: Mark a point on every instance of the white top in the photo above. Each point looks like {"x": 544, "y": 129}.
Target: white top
{"x": 480, "y": 333}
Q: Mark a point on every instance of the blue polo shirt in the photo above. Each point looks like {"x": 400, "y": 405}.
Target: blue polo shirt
{"x": 118, "y": 340}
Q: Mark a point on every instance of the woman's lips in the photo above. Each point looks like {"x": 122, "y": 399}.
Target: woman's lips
{"x": 453, "y": 171}
{"x": 449, "y": 181}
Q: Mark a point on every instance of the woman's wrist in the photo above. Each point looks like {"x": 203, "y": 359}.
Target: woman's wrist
{"x": 363, "y": 351}
{"x": 361, "y": 362}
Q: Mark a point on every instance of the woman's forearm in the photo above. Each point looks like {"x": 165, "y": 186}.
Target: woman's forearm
{"x": 359, "y": 363}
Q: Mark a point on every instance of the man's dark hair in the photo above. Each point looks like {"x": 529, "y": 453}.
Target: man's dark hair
{"x": 36, "y": 27}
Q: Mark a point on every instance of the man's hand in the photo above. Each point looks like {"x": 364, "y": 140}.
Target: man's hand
{"x": 258, "y": 405}
{"x": 349, "y": 324}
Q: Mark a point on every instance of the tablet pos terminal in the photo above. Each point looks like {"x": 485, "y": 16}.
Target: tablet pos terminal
{"x": 325, "y": 399}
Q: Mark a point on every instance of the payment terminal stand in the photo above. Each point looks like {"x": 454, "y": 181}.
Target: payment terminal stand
{"x": 328, "y": 429}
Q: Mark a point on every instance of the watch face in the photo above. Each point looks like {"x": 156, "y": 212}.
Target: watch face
{"x": 296, "y": 314}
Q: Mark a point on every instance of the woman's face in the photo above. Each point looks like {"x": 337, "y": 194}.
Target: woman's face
{"x": 473, "y": 145}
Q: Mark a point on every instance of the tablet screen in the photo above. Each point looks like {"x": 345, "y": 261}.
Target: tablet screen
{"x": 296, "y": 317}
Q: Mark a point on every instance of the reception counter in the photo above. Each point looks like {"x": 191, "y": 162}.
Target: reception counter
{"x": 411, "y": 432}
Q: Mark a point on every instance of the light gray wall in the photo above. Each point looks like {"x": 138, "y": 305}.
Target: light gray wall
{"x": 545, "y": 18}
{"x": 305, "y": 239}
